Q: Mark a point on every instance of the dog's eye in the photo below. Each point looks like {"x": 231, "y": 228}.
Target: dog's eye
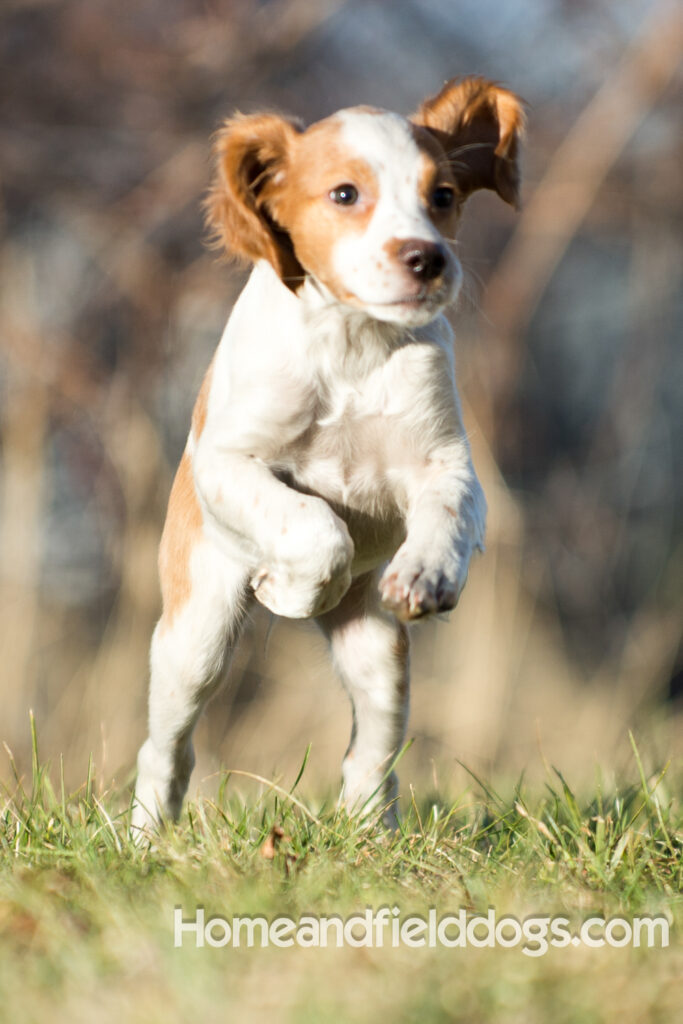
{"x": 344, "y": 195}
{"x": 442, "y": 197}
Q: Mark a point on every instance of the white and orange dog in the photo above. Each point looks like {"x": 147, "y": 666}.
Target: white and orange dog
{"x": 327, "y": 473}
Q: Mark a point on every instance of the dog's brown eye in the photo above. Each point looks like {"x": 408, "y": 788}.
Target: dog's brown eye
{"x": 442, "y": 197}
{"x": 344, "y": 195}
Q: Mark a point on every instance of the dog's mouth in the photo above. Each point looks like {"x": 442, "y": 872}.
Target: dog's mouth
{"x": 425, "y": 294}
{"x": 410, "y": 300}
{"x": 412, "y": 310}
{"x": 423, "y": 304}
{"x": 425, "y": 297}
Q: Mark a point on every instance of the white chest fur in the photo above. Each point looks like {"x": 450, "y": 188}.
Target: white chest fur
{"x": 340, "y": 406}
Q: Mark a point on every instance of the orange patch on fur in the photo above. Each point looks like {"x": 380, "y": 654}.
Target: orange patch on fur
{"x": 182, "y": 527}
{"x": 270, "y": 195}
{"x": 435, "y": 171}
{"x": 480, "y": 126}
{"x": 301, "y": 204}
{"x": 250, "y": 152}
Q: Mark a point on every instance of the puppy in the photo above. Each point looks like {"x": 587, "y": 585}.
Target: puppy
{"x": 327, "y": 474}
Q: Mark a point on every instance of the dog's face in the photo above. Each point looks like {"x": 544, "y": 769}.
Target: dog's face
{"x": 366, "y": 202}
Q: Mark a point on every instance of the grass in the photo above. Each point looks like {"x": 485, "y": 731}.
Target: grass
{"x": 86, "y": 918}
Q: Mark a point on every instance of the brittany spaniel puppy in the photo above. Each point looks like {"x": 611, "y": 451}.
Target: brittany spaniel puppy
{"x": 327, "y": 474}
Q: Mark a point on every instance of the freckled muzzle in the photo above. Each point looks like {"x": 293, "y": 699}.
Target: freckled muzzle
{"x": 426, "y": 277}
{"x": 421, "y": 276}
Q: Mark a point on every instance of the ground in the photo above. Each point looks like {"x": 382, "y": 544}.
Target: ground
{"x": 87, "y": 918}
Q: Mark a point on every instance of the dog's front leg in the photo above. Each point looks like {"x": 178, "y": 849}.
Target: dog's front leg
{"x": 445, "y": 524}
{"x": 298, "y": 549}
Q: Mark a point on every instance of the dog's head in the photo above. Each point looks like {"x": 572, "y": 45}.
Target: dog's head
{"x": 365, "y": 201}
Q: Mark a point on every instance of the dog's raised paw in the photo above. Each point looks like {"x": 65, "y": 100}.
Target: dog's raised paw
{"x": 412, "y": 591}
{"x": 294, "y": 596}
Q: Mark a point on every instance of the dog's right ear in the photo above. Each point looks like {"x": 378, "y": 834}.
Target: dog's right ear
{"x": 252, "y": 154}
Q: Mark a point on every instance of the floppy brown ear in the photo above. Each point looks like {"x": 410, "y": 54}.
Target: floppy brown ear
{"x": 252, "y": 154}
{"x": 480, "y": 126}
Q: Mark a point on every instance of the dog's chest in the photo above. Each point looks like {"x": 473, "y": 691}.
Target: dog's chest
{"x": 357, "y": 453}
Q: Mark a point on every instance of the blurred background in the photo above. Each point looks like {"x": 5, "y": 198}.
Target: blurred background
{"x": 568, "y": 346}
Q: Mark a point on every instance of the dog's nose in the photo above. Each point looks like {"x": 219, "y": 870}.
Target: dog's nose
{"x": 425, "y": 260}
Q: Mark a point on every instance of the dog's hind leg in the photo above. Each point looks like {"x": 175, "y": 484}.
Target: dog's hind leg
{"x": 190, "y": 653}
{"x": 370, "y": 650}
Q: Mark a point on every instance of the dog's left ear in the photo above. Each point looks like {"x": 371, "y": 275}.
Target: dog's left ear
{"x": 480, "y": 126}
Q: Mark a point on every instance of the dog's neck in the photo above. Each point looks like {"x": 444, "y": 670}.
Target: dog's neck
{"x": 341, "y": 332}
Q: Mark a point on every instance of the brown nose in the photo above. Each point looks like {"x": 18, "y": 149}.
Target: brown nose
{"x": 425, "y": 260}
